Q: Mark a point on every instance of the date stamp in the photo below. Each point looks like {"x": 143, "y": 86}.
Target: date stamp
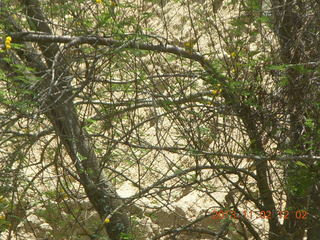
{"x": 231, "y": 214}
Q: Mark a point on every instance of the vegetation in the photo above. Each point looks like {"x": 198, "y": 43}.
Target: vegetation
{"x": 171, "y": 97}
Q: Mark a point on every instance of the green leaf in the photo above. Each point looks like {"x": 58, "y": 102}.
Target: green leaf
{"x": 282, "y": 67}
{"x": 309, "y": 123}
{"x": 301, "y": 164}
{"x": 289, "y": 151}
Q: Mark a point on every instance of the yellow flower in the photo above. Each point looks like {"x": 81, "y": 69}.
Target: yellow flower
{"x": 98, "y": 1}
{"x": 8, "y": 42}
{"x": 190, "y": 43}
{"x": 216, "y": 91}
{"x": 8, "y": 39}
{"x": 233, "y": 54}
{"x": 107, "y": 220}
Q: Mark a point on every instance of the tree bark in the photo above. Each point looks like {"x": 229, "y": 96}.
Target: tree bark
{"x": 297, "y": 46}
{"x": 61, "y": 112}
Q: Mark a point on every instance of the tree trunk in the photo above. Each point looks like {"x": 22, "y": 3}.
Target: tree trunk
{"x": 60, "y": 110}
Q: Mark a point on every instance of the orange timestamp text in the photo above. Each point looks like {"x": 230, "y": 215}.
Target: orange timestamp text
{"x": 223, "y": 214}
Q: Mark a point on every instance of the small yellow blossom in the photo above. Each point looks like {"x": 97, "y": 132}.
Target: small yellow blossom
{"x": 233, "y": 54}
{"x": 8, "y": 39}
{"x": 98, "y": 1}
{"x": 216, "y": 91}
{"x": 8, "y": 42}
{"x": 190, "y": 44}
{"x": 233, "y": 70}
{"x": 107, "y": 220}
